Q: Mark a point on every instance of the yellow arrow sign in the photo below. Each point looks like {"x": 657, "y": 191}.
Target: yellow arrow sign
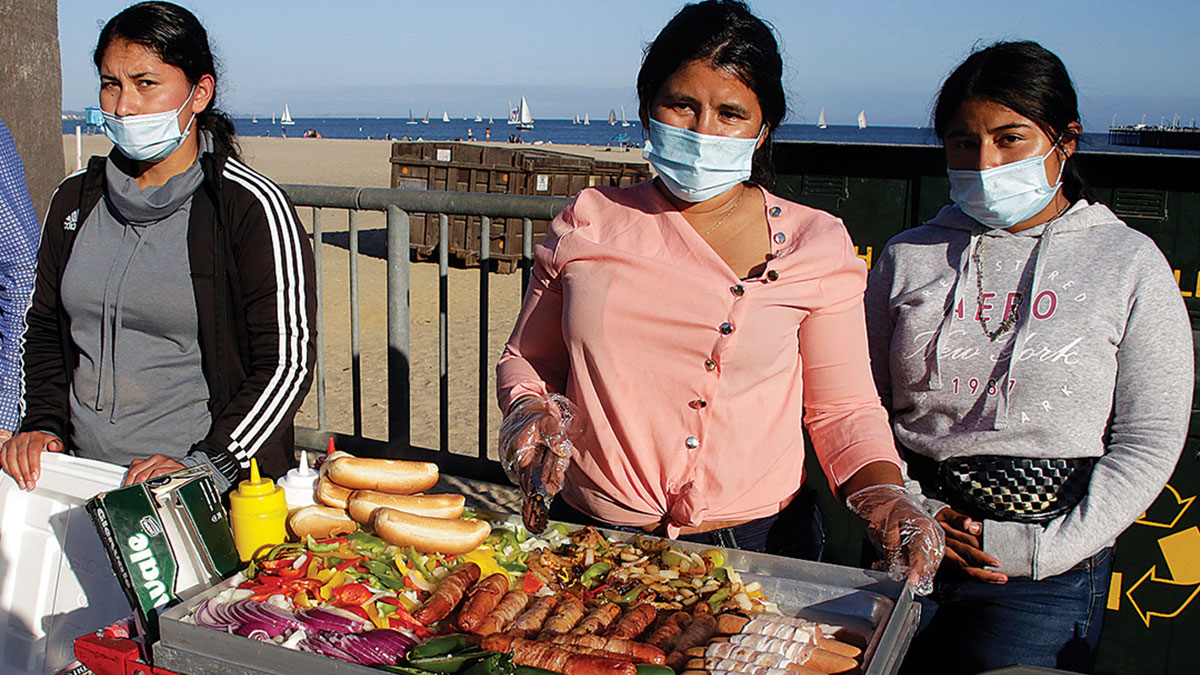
{"x": 1163, "y": 598}
{"x": 1182, "y": 553}
{"x": 1167, "y": 509}
{"x": 1152, "y": 595}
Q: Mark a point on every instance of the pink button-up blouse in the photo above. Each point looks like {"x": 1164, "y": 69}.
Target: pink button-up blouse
{"x": 690, "y": 381}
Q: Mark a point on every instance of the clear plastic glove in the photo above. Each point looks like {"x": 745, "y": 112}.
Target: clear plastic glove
{"x": 912, "y": 543}
{"x": 536, "y": 445}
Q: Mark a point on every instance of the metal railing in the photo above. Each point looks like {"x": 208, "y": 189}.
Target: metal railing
{"x": 398, "y": 205}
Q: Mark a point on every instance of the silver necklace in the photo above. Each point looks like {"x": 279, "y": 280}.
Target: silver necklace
{"x": 1010, "y": 317}
{"x": 729, "y": 212}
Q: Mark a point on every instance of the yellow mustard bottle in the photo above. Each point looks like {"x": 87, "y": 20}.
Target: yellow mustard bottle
{"x": 258, "y": 513}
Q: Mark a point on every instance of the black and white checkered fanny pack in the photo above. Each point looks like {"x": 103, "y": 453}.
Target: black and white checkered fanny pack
{"x": 1021, "y": 489}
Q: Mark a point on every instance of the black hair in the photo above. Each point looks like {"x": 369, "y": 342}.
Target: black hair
{"x": 1031, "y": 81}
{"x": 725, "y": 34}
{"x": 177, "y": 37}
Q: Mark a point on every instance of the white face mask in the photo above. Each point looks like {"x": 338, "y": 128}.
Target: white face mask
{"x": 150, "y": 137}
{"x": 696, "y": 166}
{"x": 1005, "y": 195}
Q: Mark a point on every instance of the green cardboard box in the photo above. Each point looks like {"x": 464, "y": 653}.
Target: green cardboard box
{"x": 167, "y": 538}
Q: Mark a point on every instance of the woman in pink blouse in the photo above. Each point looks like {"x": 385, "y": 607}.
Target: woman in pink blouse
{"x": 676, "y": 332}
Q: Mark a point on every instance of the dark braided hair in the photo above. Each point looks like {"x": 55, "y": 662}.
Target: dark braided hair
{"x": 176, "y": 36}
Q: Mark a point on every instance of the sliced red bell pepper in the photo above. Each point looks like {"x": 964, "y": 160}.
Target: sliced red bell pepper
{"x": 274, "y": 566}
{"x": 531, "y": 583}
{"x": 355, "y": 609}
{"x": 352, "y": 594}
{"x": 410, "y": 624}
{"x": 348, "y": 563}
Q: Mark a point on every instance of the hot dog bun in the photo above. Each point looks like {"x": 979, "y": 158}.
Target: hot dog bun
{"x": 362, "y": 504}
{"x": 396, "y": 476}
{"x": 320, "y": 522}
{"x": 429, "y": 535}
{"x": 330, "y": 493}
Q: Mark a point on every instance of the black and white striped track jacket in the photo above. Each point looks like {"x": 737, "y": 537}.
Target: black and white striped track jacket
{"x": 255, "y": 289}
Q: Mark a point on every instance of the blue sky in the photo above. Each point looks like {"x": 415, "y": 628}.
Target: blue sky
{"x": 383, "y": 57}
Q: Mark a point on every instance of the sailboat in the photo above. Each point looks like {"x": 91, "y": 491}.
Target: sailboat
{"x": 272, "y": 117}
{"x": 821, "y": 120}
{"x": 624, "y": 122}
{"x": 287, "y": 116}
{"x": 576, "y": 120}
{"x": 426, "y": 119}
{"x": 254, "y": 119}
{"x": 411, "y": 120}
{"x": 478, "y": 117}
{"x": 490, "y": 121}
{"x": 586, "y": 121}
{"x": 522, "y": 117}
{"x": 612, "y": 116}
{"x": 862, "y": 119}
{"x": 445, "y": 116}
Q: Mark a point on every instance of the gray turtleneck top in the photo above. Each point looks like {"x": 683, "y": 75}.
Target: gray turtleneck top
{"x": 138, "y": 389}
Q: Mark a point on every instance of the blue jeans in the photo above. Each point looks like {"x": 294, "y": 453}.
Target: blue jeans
{"x": 969, "y": 626}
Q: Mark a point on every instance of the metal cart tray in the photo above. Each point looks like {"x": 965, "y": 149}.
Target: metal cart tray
{"x": 865, "y": 601}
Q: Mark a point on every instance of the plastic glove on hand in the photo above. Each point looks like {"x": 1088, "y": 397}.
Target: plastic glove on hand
{"x": 911, "y": 542}
{"x": 536, "y": 446}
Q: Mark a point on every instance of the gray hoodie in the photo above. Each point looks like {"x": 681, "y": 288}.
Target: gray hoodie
{"x": 1102, "y": 367}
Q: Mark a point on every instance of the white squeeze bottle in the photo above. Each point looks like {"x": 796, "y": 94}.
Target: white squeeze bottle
{"x": 299, "y": 484}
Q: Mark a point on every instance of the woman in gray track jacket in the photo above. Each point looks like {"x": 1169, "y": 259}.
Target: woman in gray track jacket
{"x": 172, "y": 322}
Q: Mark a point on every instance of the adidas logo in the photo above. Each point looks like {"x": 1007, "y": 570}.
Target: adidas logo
{"x": 72, "y": 220}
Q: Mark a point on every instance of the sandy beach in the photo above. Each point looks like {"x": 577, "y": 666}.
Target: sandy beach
{"x": 366, "y": 163}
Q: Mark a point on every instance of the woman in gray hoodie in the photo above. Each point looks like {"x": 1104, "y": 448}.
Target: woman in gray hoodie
{"x": 1035, "y": 356}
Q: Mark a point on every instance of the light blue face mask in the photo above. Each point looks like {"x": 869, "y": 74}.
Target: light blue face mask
{"x": 1005, "y": 195}
{"x": 696, "y": 166}
{"x": 150, "y": 137}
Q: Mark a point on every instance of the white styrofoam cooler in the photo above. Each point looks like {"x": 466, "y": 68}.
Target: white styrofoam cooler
{"x": 56, "y": 582}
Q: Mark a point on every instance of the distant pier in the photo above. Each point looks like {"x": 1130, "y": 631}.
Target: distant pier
{"x": 1175, "y": 137}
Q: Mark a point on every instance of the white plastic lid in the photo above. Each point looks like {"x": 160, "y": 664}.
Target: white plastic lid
{"x": 299, "y": 485}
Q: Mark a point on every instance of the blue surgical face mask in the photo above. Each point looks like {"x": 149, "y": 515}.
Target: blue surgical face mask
{"x": 150, "y": 137}
{"x": 1005, "y": 195}
{"x": 696, "y": 166}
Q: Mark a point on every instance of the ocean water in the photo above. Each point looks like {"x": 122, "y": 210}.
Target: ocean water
{"x": 598, "y": 133}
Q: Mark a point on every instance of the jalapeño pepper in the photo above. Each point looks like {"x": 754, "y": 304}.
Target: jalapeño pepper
{"x": 439, "y": 646}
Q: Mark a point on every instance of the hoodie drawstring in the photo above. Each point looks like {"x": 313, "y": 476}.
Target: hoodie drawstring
{"x": 1023, "y": 320}
{"x": 933, "y": 355}
{"x": 111, "y": 324}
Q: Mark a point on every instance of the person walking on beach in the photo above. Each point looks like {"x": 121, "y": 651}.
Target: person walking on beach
{"x": 1036, "y": 357}
{"x": 675, "y": 332}
{"x": 18, "y": 257}
{"x": 173, "y": 316}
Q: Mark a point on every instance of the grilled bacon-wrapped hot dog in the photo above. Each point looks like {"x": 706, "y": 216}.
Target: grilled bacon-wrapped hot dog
{"x": 699, "y": 632}
{"x": 499, "y": 618}
{"x": 530, "y": 621}
{"x": 598, "y": 619}
{"x": 634, "y": 622}
{"x": 665, "y": 636}
{"x": 448, "y": 594}
{"x": 481, "y": 600}
{"x": 568, "y": 613}
{"x": 557, "y": 658}
{"x": 640, "y": 652}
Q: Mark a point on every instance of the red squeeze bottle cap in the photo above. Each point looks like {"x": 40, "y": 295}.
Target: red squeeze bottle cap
{"x": 331, "y": 448}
